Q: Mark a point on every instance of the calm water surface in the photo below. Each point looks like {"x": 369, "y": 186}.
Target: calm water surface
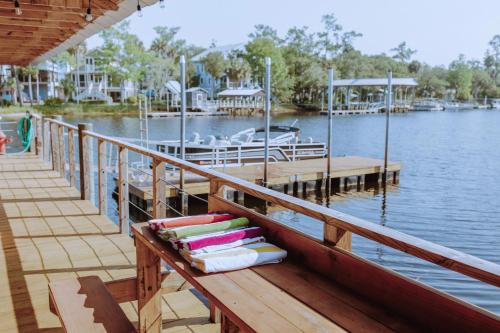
{"x": 448, "y": 192}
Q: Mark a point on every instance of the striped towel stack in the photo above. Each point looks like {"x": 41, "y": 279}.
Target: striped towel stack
{"x": 218, "y": 242}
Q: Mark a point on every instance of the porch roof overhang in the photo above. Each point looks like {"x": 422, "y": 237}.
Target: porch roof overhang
{"x": 48, "y": 27}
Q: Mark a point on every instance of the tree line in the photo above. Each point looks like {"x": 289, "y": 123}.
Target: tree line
{"x": 300, "y": 59}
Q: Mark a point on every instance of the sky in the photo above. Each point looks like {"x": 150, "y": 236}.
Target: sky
{"x": 439, "y": 30}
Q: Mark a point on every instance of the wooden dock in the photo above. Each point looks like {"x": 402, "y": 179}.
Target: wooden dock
{"x": 47, "y": 233}
{"x": 188, "y": 114}
{"x": 348, "y": 173}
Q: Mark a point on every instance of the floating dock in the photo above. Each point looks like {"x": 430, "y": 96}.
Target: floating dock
{"x": 188, "y": 114}
{"x": 349, "y": 173}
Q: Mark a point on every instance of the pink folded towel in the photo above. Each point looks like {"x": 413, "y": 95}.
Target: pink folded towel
{"x": 188, "y": 220}
{"x": 229, "y": 237}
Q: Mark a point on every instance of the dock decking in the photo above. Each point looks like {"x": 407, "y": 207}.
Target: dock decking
{"x": 281, "y": 173}
{"x": 48, "y": 233}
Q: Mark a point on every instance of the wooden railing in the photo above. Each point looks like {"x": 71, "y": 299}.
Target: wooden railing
{"x": 338, "y": 227}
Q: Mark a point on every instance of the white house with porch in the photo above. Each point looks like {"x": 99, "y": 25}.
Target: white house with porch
{"x": 93, "y": 83}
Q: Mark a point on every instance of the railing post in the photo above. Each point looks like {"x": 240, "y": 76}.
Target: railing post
{"x": 102, "y": 179}
{"x": 84, "y": 147}
{"x": 54, "y": 146}
{"x": 46, "y": 141}
{"x": 38, "y": 136}
{"x": 71, "y": 156}
{"x": 61, "y": 149}
{"x": 159, "y": 195}
{"x": 123, "y": 198}
{"x": 340, "y": 238}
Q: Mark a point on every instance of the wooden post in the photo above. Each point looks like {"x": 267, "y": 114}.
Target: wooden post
{"x": 227, "y": 326}
{"x": 38, "y": 136}
{"x": 159, "y": 194}
{"x": 123, "y": 198}
{"x": 340, "y": 238}
{"x": 54, "y": 146}
{"x": 149, "y": 289}
{"x": 102, "y": 179}
{"x": 71, "y": 156}
{"x": 62, "y": 153}
{"x": 46, "y": 140}
{"x": 85, "y": 161}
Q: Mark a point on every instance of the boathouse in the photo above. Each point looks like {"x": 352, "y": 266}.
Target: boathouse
{"x": 241, "y": 100}
{"x": 68, "y": 261}
{"x": 196, "y": 99}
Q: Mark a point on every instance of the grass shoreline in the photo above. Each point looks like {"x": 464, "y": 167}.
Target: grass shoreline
{"x": 111, "y": 110}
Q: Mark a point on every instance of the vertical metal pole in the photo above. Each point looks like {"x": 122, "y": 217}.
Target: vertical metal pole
{"x": 330, "y": 124}
{"x": 77, "y": 74}
{"x": 267, "y": 118}
{"x": 183, "y": 133}
{"x": 387, "y": 115}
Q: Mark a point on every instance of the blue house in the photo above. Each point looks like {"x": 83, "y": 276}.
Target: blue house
{"x": 206, "y": 80}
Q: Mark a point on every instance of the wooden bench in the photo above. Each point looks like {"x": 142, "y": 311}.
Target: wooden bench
{"x": 318, "y": 288}
{"x": 85, "y": 305}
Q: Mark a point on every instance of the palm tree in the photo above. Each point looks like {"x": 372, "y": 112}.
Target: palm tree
{"x": 68, "y": 88}
{"x": 30, "y": 71}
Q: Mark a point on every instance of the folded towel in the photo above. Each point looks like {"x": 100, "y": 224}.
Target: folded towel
{"x": 176, "y": 243}
{"x": 237, "y": 258}
{"x": 188, "y": 220}
{"x": 189, "y": 244}
{"x": 194, "y": 230}
{"x": 218, "y": 248}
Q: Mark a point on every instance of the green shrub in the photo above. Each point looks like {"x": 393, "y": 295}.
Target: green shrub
{"x": 132, "y": 100}
{"x": 5, "y": 103}
{"x": 92, "y": 102}
{"x": 53, "y": 101}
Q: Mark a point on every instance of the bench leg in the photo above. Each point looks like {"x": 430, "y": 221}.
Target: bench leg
{"x": 148, "y": 289}
{"x": 215, "y": 314}
{"x": 227, "y": 326}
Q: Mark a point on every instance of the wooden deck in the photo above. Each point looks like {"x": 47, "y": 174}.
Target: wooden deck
{"x": 279, "y": 174}
{"x": 47, "y": 233}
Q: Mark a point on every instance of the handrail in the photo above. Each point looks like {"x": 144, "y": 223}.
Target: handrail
{"x": 469, "y": 265}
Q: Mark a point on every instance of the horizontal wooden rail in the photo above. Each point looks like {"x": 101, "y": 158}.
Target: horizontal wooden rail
{"x": 448, "y": 258}
{"x": 61, "y": 123}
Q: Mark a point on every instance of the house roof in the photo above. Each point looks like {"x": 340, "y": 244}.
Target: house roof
{"x": 241, "y": 92}
{"x": 194, "y": 89}
{"x": 224, "y": 49}
{"x": 173, "y": 86}
{"x": 406, "y": 81}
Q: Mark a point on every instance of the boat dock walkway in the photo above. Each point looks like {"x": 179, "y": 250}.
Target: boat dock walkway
{"x": 47, "y": 233}
{"x": 349, "y": 172}
{"x": 188, "y": 114}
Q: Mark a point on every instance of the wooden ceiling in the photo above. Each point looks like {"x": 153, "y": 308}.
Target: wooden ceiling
{"x": 43, "y": 25}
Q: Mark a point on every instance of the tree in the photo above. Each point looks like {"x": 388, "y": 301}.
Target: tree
{"x": 215, "y": 65}
{"x": 432, "y": 81}
{"x": 403, "y": 53}
{"x": 263, "y": 47}
{"x": 68, "y": 88}
{"x": 460, "y": 78}
{"x": 265, "y": 31}
{"x": 238, "y": 68}
{"x": 30, "y": 71}
{"x": 492, "y": 58}
{"x": 329, "y": 43}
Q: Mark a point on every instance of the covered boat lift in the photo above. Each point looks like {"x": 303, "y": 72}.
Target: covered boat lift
{"x": 400, "y": 88}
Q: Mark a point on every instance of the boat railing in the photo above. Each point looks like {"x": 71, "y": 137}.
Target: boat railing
{"x": 337, "y": 227}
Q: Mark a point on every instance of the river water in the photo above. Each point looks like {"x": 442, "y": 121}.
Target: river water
{"x": 448, "y": 192}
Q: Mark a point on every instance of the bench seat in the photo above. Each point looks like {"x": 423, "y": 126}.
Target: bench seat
{"x": 84, "y": 304}
{"x": 285, "y": 297}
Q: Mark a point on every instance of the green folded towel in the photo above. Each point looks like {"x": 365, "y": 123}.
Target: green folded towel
{"x": 194, "y": 230}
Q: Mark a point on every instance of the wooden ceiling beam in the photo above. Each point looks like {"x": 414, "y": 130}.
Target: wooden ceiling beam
{"x": 74, "y": 27}
{"x": 8, "y": 4}
{"x": 44, "y": 15}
